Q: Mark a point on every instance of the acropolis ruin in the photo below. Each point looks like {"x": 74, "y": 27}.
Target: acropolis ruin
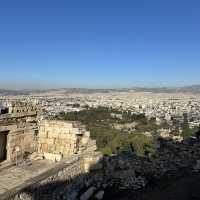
{"x": 32, "y": 147}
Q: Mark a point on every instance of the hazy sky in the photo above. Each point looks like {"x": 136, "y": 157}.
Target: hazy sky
{"x": 99, "y": 43}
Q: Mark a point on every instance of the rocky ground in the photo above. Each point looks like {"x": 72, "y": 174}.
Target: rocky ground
{"x": 185, "y": 188}
{"x": 173, "y": 173}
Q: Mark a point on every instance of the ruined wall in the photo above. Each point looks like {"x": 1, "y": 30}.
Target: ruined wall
{"x": 20, "y": 125}
{"x": 20, "y": 107}
{"x": 54, "y": 140}
{"x": 21, "y": 142}
{"x": 61, "y": 138}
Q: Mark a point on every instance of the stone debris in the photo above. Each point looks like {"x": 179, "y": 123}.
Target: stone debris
{"x": 23, "y": 196}
{"x": 86, "y": 195}
{"x": 99, "y": 195}
{"x": 197, "y": 166}
{"x": 134, "y": 183}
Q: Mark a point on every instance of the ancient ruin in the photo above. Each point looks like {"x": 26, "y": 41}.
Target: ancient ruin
{"x": 31, "y": 148}
{"x": 18, "y": 131}
{"x": 60, "y": 139}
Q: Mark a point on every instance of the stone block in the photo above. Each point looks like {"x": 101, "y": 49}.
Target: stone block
{"x": 52, "y": 156}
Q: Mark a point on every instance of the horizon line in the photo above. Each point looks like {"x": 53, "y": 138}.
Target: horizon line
{"x": 97, "y": 88}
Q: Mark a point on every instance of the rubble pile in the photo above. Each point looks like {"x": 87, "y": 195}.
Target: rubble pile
{"x": 171, "y": 160}
{"x": 174, "y": 157}
{"x": 134, "y": 183}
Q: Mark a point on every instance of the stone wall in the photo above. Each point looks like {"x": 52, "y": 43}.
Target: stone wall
{"x": 60, "y": 139}
{"x": 20, "y": 125}
{"x": 51, "y": 139}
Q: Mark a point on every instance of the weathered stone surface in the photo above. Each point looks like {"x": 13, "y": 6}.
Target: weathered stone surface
{"x": 64, "y": 138}
{"x": 19, "y": 128}
{"x": 99, "y": 195}
{"x": 86, "y": 195}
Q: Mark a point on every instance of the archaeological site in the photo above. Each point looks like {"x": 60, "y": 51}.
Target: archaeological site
{"x": 46, "y": 159}
{"x": 34, "y": 151}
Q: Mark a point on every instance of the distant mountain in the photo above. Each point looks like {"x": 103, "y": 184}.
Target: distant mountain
{"x": 91, "y": 91}
{"x": 5, "y": 92}
{"x": 194, "y": 89}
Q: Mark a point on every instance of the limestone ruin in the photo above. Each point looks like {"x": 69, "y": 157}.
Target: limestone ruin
{"x": 60, "y": 139}
{"x": 24, "y": 140}
{"x": 18, "y": 131}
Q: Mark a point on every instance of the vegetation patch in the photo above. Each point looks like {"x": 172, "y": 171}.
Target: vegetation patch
{"x": 100, "y": 122}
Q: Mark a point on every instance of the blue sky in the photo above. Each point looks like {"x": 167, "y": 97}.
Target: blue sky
{"x": 99, "y": 43}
